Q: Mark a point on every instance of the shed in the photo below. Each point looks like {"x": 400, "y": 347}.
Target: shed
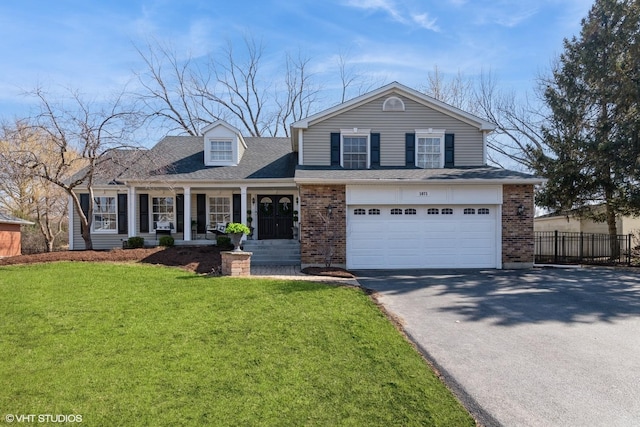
{"x": 10, "y": 235}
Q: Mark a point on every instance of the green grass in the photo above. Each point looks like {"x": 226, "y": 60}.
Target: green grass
{"x": 142, "y": 345}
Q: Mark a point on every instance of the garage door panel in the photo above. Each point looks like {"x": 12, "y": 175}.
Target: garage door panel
{"x": 421, "y": 240}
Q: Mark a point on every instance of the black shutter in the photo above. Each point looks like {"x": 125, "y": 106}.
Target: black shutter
{"x": 448, "y": 150}
{"x": 410, "y": 148}
{"x": 237, "y": 208}
{"x": 179, "y": 213}
{"x": 201, "y": 212}
{"x": 84, "y": 205}
{"x": 375, "y": 149}
{"x": 144, "y": 213}
{"x": 335, "y": 149}
{"x": 123, "y": 225}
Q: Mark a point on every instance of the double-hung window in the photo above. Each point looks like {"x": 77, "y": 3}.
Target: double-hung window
{"x": 104, "y": 214}
{"x": 355, "y": 148}
{"x": 219, "y": 210}
{"x": 220, "y": 151}
{"x": 430, "y": 148}
{"x": 163, "y": 210}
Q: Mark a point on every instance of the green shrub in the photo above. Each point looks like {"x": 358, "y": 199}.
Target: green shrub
{"x": 166, "y": 241}
{"x": 135, "y": 242}
{"x": 223, "y": 242}
{"x": 236, "y": 227}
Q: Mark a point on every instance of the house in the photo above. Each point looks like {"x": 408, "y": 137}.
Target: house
{"x": 390, "y": 179}
{"x": 572, "y": 223}
{"x": 10, "y": 235}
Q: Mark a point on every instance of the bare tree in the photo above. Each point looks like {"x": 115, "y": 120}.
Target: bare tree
{"x": 353, "y": 82}
{"x": 518, "y": 123}
{"x": 300, "y": 95}
{"x": 238, "y": 86}
{"x": 168, "y": 91}
{"x": 26, "y": 195}
{"x": 80, "y": 139}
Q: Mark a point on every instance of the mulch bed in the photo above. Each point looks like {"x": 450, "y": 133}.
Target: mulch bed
{"x": 198, "y": 259}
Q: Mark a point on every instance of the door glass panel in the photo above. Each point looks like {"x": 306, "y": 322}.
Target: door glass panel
{"x": 284, "y": 205}
{"x": 266, "y": 206}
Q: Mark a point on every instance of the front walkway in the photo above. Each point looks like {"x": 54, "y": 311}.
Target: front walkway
{"x": 292, "y": 272}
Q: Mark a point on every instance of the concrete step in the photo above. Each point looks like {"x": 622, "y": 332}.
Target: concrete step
{"x": 273, "y": 252}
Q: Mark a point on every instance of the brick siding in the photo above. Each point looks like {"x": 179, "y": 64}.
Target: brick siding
{"x": 316, "y": 236}
{"x": 517, "y": 230}
{"x": 236, "y": 263}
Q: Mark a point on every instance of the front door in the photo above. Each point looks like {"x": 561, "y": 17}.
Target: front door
{"x": 275, "y": 217}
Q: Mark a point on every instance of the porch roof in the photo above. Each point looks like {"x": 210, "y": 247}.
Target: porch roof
{"x": 484, "y": 174}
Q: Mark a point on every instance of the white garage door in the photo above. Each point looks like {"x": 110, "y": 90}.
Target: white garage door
{"x": 392, "y": 237}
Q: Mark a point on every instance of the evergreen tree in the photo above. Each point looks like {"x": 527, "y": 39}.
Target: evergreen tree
{"x": 592, "y": 135}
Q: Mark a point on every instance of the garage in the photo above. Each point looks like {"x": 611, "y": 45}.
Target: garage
{"x": 423, "y": 227}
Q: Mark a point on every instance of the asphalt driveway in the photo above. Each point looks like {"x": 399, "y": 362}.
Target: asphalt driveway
{"x": 541, "y": 347}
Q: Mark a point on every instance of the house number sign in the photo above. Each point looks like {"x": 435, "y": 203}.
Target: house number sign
{"x": 423, "y": 193}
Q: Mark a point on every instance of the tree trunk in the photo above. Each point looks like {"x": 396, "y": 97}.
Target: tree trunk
{"x": 613, "y": 233}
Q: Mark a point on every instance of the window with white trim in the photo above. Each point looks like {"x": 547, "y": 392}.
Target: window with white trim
{"x": 220, "y": 151}
{"x": 104, "y": 214}
{"x": 374, "y": 211}
{"x": 469, "y": 211}
{"x": 433, "y": 211}
{"x": 483, "y": 211}
{"x": 355, "y": 148}
{"x": 359, "y": 212}
{"x": 219, "y": 210}
{"x": 163, "y": 212}
{"x": 430, "y": 148}
{"x": 396, "y": 211}
{"x": 447, "y": 211}
{"x": 410, "y": 211}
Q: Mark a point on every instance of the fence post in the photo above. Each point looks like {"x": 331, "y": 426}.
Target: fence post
{"x": 629, "y": 249}
{"x": 581, "y": 246}
{"x": 555, "y": 247}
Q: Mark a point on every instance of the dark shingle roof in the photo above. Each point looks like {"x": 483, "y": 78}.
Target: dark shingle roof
{"x": 412, "y": 174}
{"x": 113, "y": 166}
{"x": 182, "y": 158}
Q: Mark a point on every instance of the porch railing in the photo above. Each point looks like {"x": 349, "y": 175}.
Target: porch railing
{"x": 582, "y": 248}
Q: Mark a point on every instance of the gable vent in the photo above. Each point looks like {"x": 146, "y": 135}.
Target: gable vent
{"x": 393, "y": 103}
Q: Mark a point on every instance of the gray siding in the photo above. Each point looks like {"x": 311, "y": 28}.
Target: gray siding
{"x": 392, "y": 127}
{"x": 99, "y": 240}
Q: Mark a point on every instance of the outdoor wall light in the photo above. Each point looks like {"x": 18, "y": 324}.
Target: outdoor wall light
{"x": 520, "y": 210}
{"x": 253, "y": 201}
{"x": 329, "y": 210}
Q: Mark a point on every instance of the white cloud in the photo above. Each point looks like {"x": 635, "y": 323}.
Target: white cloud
{"x": 423, "y": 20}
{"x": 403, "y": 17}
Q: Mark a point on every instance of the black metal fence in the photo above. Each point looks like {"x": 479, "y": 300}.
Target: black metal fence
{"x": 582, "y": 248}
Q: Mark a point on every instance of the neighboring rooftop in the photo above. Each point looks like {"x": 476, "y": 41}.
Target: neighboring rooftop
{"x": 10, "y": 219}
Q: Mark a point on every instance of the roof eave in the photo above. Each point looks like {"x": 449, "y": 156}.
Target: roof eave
{"x": 438, "y": 181}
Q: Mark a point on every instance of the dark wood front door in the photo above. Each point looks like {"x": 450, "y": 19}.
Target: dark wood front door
{"x": 275, "y": 217}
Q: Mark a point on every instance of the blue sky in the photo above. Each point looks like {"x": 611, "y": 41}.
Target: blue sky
{"x": 89, "y": 45}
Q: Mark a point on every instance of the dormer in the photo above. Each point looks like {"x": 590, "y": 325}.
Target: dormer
{"x": 223, "y": 144}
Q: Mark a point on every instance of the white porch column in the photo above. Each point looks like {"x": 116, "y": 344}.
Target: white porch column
{"x": 131, "y": 213}
{"x": 243, "y": 205}
{"x": 187, "y": 213}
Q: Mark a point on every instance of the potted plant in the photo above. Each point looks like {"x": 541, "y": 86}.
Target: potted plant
{"x": 235, "y": 230}
{"x": 295, "y": 225}
{"x": 249, "y": 221}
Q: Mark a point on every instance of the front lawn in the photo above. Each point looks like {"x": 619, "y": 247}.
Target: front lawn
{"x": 139, "y": 345}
